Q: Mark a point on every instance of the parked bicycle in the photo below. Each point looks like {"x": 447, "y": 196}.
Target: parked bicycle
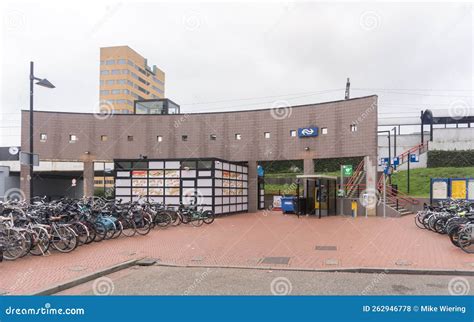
{"x": 454, "y": 218}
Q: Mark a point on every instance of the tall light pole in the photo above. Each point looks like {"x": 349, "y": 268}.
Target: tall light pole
{"x": 41, "y": 82}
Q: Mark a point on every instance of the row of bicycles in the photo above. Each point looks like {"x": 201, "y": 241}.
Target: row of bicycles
{"x": 38, "y": 227}
{"x": 454, "y": 218}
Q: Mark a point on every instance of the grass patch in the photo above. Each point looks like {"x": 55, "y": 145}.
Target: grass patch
{"x": 420, "y": 178}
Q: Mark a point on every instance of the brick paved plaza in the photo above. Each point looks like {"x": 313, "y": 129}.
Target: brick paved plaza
{"x": 247, "y": 240}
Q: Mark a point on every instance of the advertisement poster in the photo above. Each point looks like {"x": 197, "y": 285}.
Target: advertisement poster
{"x": 155, "y": 182}
{"x": 139, "y": 174}
{"x": 172, "y": 183}
{"x": 155, "y": 191}
{"x": 139, "y": 191}
{"x": 172, "y": 191}
{"x": 156, "y": 173}
{"x": 172, "y": 173}
{"x": 139, "y": 182}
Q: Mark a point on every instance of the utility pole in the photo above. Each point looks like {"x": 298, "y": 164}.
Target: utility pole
{"x": 30, "y": 169}
{"x": 408, "y": 174}
{"x": 348, "y": 88}
{"x": 395, "y": 142}
{"x": 44, "y": 83}
{"x": 384, "y": 196}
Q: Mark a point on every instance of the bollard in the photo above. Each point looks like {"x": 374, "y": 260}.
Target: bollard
{"x": 354, "y": 208}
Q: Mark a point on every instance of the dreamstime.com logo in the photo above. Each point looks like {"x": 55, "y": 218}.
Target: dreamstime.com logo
{"x": 193, "y": 20}
{"x": 45, "y": 310}
{"x": 369, "y": 20}
{"x": 459, "y": 109}
{"x": 105, "y": 110}
{"x": 281, "y": 110}
{"x": 103, "y": 286}
{"x": 459, "y": 286}
{"x": 281, "y": 286}
{"x": 14, "y": 194}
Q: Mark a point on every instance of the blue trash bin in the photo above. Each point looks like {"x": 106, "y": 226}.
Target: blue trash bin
{"x": 288, "y": 204}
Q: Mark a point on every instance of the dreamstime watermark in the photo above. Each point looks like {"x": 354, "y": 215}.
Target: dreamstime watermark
{"x": 197, "y": 281}
{"x": 369, "y": 110}
{"x": 104, "y": 110}
{"x": 13, "y": 150}
{"x": 109, "y": 12}
{"x": 459, "y": 286}
{"x": 459, "y": 109}
{"x": 375, "y": 281}
{"x": 192, "y": 196}
{"x": 14, "y": 194}
{"x": 14, "y": 20}
{"x": 370, "y": 198}
{"x": 103, "y": 286}
{"x": 281, "y": 286}
{"x": 369, "y": 20}
{"x": 47, "y": 309}
{"x": 281, "y": 110}
{"x": 181, "y": 120}
{"x": 193, "y": 20}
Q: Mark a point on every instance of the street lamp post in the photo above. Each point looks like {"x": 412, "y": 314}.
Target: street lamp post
{"x": 41, "y": 82}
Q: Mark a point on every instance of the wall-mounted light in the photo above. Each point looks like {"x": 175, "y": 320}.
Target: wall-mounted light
{"x": 87, "y": 152}
{"x": 306, "y": 148}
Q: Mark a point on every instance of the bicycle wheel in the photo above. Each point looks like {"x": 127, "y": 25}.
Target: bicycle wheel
{"x": 100, "y": 231}
{"x": 118, "y": 229}
{"x": 177, "y": 218}
{"x": 28, "y": 241}
{"x": 440, "y": 225}
{"x": 419, "y": 220}
{"x": 197, "y": 222}
{"x": 465, "y": 241}
{"x": 454, "y": 236}
{"x": 143, "y": 225}
{"x": 111, "y": 228}
{"x": 41, "y": 244}
{"x": 163, "y": 219}
{"x": 128, "y": 227}
{"x": 14, "y": 244}
{"x": 91, "y": 230}
{"x": 81, "y": 231}
{"x": 208, "y": 216}
{"x": 64, "y": 239}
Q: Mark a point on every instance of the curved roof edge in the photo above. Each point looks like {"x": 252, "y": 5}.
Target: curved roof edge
{"x": 221, "y": 112}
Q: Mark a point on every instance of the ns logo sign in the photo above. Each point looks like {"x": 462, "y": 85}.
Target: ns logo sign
{"x": 307, "y": 132}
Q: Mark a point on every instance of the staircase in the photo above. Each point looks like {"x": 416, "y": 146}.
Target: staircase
{"x": 355, "y": 181}
{"x": 417, "y": 149}
{"x": 396, "y": 200}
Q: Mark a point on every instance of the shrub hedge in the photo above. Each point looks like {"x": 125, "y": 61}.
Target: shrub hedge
{"x": 457, "y": 159}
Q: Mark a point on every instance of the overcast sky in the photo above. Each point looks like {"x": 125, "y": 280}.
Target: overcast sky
{"x": 242, "y": 55}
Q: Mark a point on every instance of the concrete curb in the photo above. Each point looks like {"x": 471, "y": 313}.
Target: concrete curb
{"x": 366, "y": 270}
{"x": 86, "y": 278}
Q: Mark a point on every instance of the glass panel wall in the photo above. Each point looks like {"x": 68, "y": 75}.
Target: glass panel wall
{"x": 216, "y": 185}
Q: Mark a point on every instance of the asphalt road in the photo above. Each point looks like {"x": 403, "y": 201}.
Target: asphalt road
{"x": 158, "y": 280}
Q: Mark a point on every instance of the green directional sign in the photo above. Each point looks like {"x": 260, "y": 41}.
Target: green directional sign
{"x": 347, "y": 170}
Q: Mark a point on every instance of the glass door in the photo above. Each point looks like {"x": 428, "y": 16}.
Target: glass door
{"x": 189, "y": 193}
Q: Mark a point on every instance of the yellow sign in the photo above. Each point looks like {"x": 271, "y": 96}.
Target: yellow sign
{"x": 458, "y": 189}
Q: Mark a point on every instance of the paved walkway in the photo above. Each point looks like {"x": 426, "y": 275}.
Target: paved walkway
{"x": 160, "y": 280}
{"x": 245, "y": 240}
